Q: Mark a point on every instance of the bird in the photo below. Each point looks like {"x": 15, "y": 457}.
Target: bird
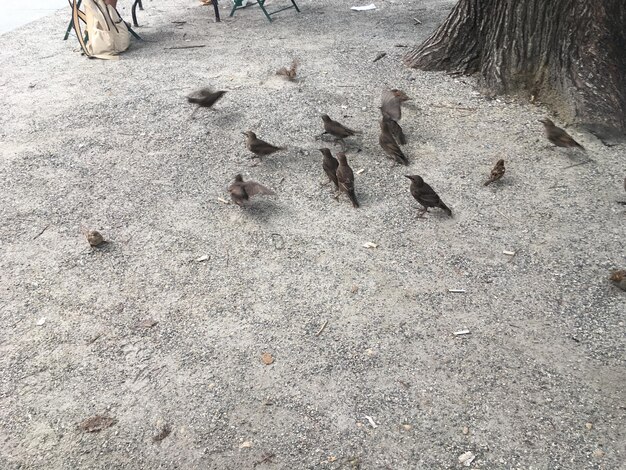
{"x": 388, "y": 143}
{"x": 259, "y": 147}
{"x": 619, "y": 278}
{"x": 336, "y": 129}
{"x": 330, "y": 164}
{"x": 558, "y": 136}
{"x": 94, "y": 238}
{"x": 205, "y": 97}
{"x": 241, "y": 191}
{"x": 391, "y": 110}
{"x": 345, "y": 178}
{"x": 426, "y": 195}
{"x": 496, "y": 173}
{"x": 289, "y": 73}
{"x": 391, "y": 101}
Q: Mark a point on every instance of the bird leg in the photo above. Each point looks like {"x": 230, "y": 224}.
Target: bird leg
{"x": 422, "y": 212}
{"x": 194, "y": 112}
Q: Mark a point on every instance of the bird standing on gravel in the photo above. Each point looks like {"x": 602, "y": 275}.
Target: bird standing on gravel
{"x": 345, "y": 178}
{"x": 496, "y": 173}
{"x": 426, "y": 195}
{"x": 259, "y": 147}
{"x": 391, "y": 109}
{"x": 388, "y": 143}
{"x": 558, "y": 136}
{"x": 291, "y": 72}
{"x": 330, "y": 165}
{"x": 241, "y": 191}
{"x": 336, "y": 129}
{"x": 205, "y": 98}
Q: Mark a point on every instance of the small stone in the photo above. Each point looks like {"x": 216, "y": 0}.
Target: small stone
{"x": 407, "y": 427}
{"x": 465, "y": 430}
{"x": 589, "y": 426}
{"x": 267, "y": 359}
{"x": 598, "y": 453}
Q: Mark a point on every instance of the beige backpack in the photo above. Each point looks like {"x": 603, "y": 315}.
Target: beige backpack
{"x": 106, "y": 33}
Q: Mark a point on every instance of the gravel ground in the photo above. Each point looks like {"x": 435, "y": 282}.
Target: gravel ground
{"x": 537, "y": 384}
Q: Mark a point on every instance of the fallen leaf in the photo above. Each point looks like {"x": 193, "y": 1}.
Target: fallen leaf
{"x": 203, "y": 258}
{"x": 589, "y": 426}
{"x": 370, "y": 245}
{"x": 354, "y": 289}
{"x": 41, "y": 321}
{"x": 407, "y": 427}
{"x": 267, "y": 358}
{"x": 245, "y": 445}
{"x": 97, "y": 423}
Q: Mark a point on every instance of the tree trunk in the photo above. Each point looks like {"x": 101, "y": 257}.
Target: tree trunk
{"x": 570, "y": 54}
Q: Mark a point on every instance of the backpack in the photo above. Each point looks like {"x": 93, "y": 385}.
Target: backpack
{"x": 106, "y": 33}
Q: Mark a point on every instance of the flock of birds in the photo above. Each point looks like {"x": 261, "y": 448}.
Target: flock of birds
{"x": 338, "y": 169}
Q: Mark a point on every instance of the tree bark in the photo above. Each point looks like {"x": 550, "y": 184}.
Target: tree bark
{"x": 570, "y": 54}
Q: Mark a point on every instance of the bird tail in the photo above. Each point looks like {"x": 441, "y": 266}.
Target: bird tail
{"x": 488, "y": 182}
{"x": 194, "y": 100}
{"x": 580, "y": 147}
{"x": 352, "y": 197}
{"x": 445, "y": 208}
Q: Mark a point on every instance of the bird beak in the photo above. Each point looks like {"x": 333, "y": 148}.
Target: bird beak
{"x": 245, "y": 133}
{"x": 541, "y": 121}
{"x": 408, "y": 176}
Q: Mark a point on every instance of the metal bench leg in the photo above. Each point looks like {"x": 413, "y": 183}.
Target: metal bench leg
{"x": 261, "y": 2}
{"x": 134, "y": 12}
{"x": 71, "y": 25}
{"x": 295, "y": 6}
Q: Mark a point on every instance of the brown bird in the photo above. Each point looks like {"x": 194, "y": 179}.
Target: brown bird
{"x": 496, "y": 173}
{"x": 205, "y": 97}
{"x": 345, "y": 178}
{"x": 391, "y": 103}
{"x": 330, "y": 164}
{"x": 289, "y": 73}
{"x": 337, "y": 129}
{"x": 619, "y": 278}
{"x": 426, "y": 195}
{"x": 558, "y": 136}
{"x": 388, "y": 143}
{"x": 94, "y": 238}
{"x": 259, "y": 147}
{"x": 241, "y": 191}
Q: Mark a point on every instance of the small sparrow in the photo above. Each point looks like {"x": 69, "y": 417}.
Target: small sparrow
{"x": 330, "y": 165}
{"x": 289, "y": 73}
{"x": 241, "y": 191}
{"x": 205, "y": 97}
{"x": 496, "y": 173}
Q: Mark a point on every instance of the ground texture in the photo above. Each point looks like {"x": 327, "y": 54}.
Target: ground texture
{"x": 538, "y": 383}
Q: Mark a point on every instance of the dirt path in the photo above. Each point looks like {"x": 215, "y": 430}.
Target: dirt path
{"x": 539, "y": 381}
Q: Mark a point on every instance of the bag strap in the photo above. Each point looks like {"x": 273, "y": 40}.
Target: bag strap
{"x": 77, "y": 17}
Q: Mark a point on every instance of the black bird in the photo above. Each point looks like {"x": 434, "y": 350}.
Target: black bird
{"x": 388, "y": 143}
{"x": 330, "y": 164}
{"x": 558, "y": 136}
{"x": 205, "y": 97}
{"x": 496, "y": 173}
{"x": 259, "y": 147}
{"x": 241, "y": 191}
{"x": 426, "y": 195}
{"x": 345, "y": 178}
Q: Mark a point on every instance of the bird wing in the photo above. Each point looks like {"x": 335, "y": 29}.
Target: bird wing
{"x": 428, "y": 196}
{"x": 252, "y": 188}
{"x": 397, "y": 131}
{"x": 390, "y": 106}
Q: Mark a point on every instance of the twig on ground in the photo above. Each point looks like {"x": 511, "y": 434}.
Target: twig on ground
{"x": 322, "y": 328}
{"x": 186, "y": 47}
{"x": 41, "y": 232}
